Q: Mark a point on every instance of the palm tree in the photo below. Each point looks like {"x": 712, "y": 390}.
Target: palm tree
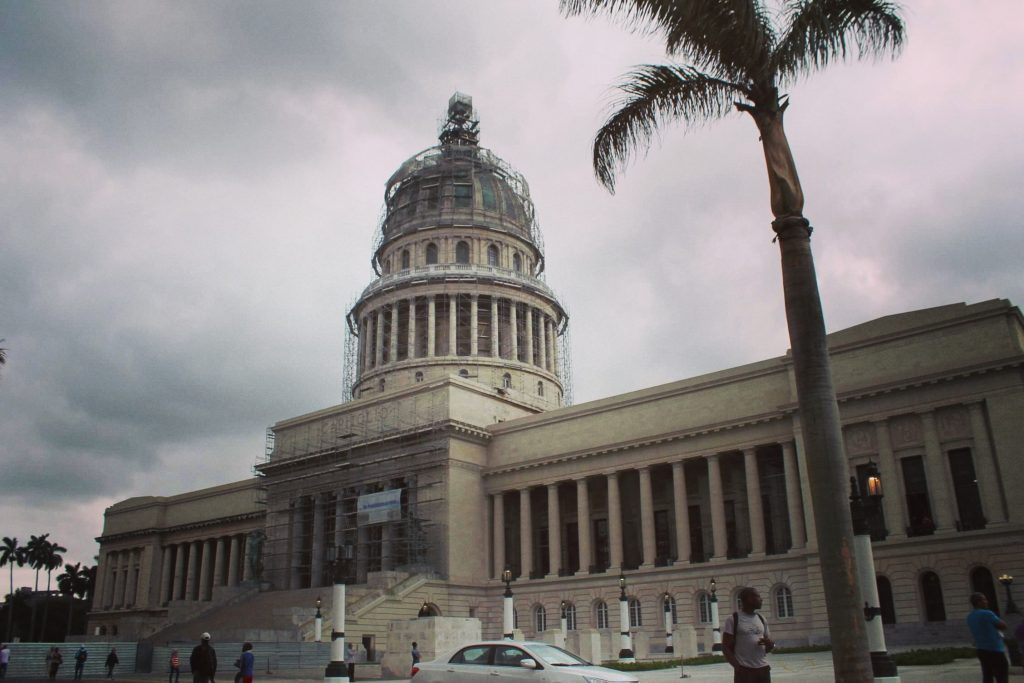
{"x": 11, "y": 554}
{"x": 52, "y": 559}
{"x": 74, "y": 581}
{"x": 36, "y": 556}
{"x": 739, "y": 56}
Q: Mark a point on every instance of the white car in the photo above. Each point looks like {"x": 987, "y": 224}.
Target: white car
{"x": 514, "y": 661}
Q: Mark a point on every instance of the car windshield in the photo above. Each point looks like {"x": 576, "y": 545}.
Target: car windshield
{"x": 556, "y": 656}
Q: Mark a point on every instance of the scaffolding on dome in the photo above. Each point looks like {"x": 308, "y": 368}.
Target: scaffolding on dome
{"x": 349, "y": 358}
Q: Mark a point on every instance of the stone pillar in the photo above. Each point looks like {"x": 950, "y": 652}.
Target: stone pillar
{"x": 474, "y": 325}
{"x": 453, "y": 326}
{"x": 166, "y": 567}
{"x": 797, "y": 533}
{"x": 614, "y": 521}
{"x": 554, "y": 348}
{"x": 379, "y": 345}
{"x": 985, "y": 468}
{"x": 206, "y": 571}
{"x": 721, "y": 541}
{"x": 193, "y": 571}
{"x": 247, "y": 569}
{"x": 754, "y": 506}
{"x": 411, "y": 341}
{"x": 513, "y": 324}
{"x": 339, "y": 521}
{"x": 682, "y": 513}
{"x": 218, "y": 565}
{"x": 942, "y": 503}
{"x": 179, "y": 571}
{"x": 892, "y": 504}
{"x": 554, "y": 531}
{"x": 499, "y": 533}
{"x": 525, "y": 533}
{"x": 101, "y": 593}
{"x": 549, "y": 325}
{"x": 295, "y": 543}
{"x": 529, "y": 334}
{"x": 495, "y": 329}
{"x": 543, "y": 322}
{"x": 431, "y": 326}
{"x": 234, "y": 557}
{"x": 647, "y": 517}
{"x": 317, "y": 558}
{"x": 367, "y": 349}
{"x": 583, "y": 526}
{"x": 393, "y": 350}
{"x": 131, "y": 578}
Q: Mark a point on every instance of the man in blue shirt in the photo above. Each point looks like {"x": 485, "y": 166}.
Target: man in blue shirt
{"x": 988, "y": 641}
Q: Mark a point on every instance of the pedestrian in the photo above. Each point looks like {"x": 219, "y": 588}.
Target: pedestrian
{"x": 174, "y": 664}
{"x": 203, "y": 661}
{"x": 415, "y": 654}
{"x": 988, "y": 641}
{"x": 111, "y": 662}
{"x": 351, "y": 654}
{"x": 5, "y": 659}
{"x": 248, "y": 660}
{"x": 80, "y": 658}
{"x": 56, "y": 659}
{"x": 746, "y": 642}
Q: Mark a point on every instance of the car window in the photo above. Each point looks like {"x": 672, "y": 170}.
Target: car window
{"x": 508, "y": 656}
{"x": 474, "y": 654}
{"x": 556, "y": 656}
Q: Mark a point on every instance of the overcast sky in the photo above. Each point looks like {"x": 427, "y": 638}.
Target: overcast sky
{"x": 189, "y": 193}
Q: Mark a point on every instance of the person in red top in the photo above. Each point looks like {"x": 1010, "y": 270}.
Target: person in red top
{"x": 175, "y": 667}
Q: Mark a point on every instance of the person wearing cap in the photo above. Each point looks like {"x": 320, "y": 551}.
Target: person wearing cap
{"x": 203, "y": 661}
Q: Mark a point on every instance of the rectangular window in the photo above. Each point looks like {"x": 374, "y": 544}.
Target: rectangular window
{"x": 429, "y": 196}
{"x": 696, "y": 535}
{"x": 487, "y": 195}
{"x": 463, "y": 196}
{"x": 965, "y": 485}
{"x": 662, "y": 538}
{"x": 572, "y": 542}
{"x": 915, "y": 487}
{"x": 601, "y": 548}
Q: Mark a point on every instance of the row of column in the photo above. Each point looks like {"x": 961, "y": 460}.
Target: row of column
{"x": 192, "y": 569}
{"x": 118, "y": 588}
{"x": 377, "y": 348}
{"x": 647, "y": 526}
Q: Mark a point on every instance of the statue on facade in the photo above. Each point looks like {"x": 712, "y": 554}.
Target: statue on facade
{"x": 254, "y": 554}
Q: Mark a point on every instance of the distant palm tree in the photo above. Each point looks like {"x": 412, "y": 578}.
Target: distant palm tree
{"x": 739, "y": 54}
{"x": 74, "y": 581}
{"x": 11, "y": 554}
{"x": 36, "y": 548}
{"x": 52, "y": 559}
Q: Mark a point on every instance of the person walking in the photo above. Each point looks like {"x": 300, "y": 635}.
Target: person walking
{"x": 5, "y": 659}
{"x": 80, "y": 658}
{"x": 111, "y": 662}
{"x": 56, "y": 659}
{"x": 174, "y": 666}
{"x": 415, "y": 654}
{"x": 746, "y": 642}
{"x": 248, "y": 663}
{"x": 985, "y": 628}
{"x": 203, "y": 661}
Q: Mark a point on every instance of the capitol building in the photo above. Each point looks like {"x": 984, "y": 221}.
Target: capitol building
{"x": 457, "y": 454}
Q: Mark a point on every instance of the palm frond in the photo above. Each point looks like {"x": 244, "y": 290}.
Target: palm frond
{"x": 655, "y": 94}
{"x": 821, "y": 31}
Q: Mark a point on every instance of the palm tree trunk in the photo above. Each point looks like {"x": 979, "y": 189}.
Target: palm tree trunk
{"x": 827, "y": 469}
{"x": 46, "y": 609}
{"x": 10, "y": 605}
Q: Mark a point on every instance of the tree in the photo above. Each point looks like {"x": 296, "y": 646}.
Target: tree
{"x": 52, "y": 559}
{"x": 738, "y": 57}
{"x": 11, "y": 554}
{"x": 36, "y": 557}
{"x": 74, "y": 581}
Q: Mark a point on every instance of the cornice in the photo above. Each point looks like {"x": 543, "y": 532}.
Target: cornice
{"x": 151, "y": 531}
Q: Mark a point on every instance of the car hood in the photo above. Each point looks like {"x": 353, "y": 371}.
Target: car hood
{"x": 598, "y": 672}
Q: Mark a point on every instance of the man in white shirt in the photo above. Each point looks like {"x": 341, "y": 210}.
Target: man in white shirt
{"x": 745, "y": 641}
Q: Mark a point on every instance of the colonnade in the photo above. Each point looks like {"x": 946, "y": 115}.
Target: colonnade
{"x": 192, "y": 569}
{"x": 119, "y": 583}
{"x": 440, "y": 325}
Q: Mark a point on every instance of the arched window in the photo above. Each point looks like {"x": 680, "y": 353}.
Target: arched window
{"x": 981, "y": 582}
{"x": 380, "y": 384}
{"x": 462, "y": 252}
{"x": 570, "y": 617}
{"x": 931, "y": 592}
{"x": 103, "y": 630}
{"x": 387, "y": 266}
{"x": 783, "y": 602}
{"x": 636, "y": 617}
{"x": 517, "y": 263}
{"x": 704, "y": 608}
{"x": 540, "y": 388}
{"x": 492, "y": 255}
{"x": 506, "y": 381}
{"x": 405, "y": 259}
{"x": 885, "y": 600}
{"x": 540, "y": 619}
{"x": 431, "y": 253}
{"x": 463, "y": 372}
{"x": 419, "y": 376}
{"x": 601, "y": 614}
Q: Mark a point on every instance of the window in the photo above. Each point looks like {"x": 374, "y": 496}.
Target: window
{"x": 506, "y": 381}
{"x": 419, "y": 376}
{"x": 475, "y": 654}
{"x": 931, "y": 592}
{"x": 540, "y": 619}
{"x": 380, "y": 384}
{"x": 431, "y": 253}
{"x": 387, "y": 266}
{"x": 570, "y": 617}
{"x": 515, "y": 618}
{"x": 885, "y": 600}
{"x": 507, "y": 655}
{"x": 490, "y": 200}
{"x": 981, "y": 582}
{"x": 540, "y": 388}
{"x": 463, "y": 196}
{"x": 429, "y": 196}
{"x": 492, "y": 255}
{"x": 601, "y": 614}
{"x": 463, "y": 372}
{"x": 517, "y": 263}
{"x": 915, "y": 487}
{"x": 704, "y": 608}
{"x": 405, "y": 259}
{"x": 783, "y": 602}
{"x": 636, "y": 617}
{"x": 965, "y": 486}
{"x": 462, "y": 252}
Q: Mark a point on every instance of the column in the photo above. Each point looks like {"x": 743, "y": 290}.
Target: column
{"x": 206, "y": 570}
{"x": 247, "y": 568}
{"x": 218, "y": 564}
{"x": 295, "y": 543}
{"x": 234, "y": 557}
{"x": 179, "y": 571}
{"x": 193, "y": 570}
{"x": 554, "y": 348}
{"x": 985, "y": 468}
{"x": 542, "y": 321}
{"x": 614, "y": 522}
{"x": 513, "y": 325}
{"x": 393, "y": 350}
{"x": 100, "y": 592}
{"x": 367, "y": 351}
{"x": 554, "y": 531}
{"x": 583, "y": 525}
{"x": 682, "y": 513}
{"x": 754, "y": 506}
{"x": 317, "y": 559}
{"x": 717, "y": 508}
{"x": 525, "y": 533}
{"x": 379, "y": 341}
{"x": 131, "y": 579}
{"x": 411, "y": 342}
{"x": 474, "y": 325}
{"x": 797, "y": 533}
{"x": 453, "y": 326}
{"x": 495, "y": 327}
{"x": 892, "y": 503}
{"x": 529, "y": 334}
{"x": 499, "y": 534}
{"x": 339, "y": 521}
{"x": 942, "y": 504}
{"x": 647, "y": 517}
{"x": 431, "y": 325}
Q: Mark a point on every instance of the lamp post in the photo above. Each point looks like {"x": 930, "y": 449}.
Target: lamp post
{"x": 564, "y": 623}
{"x": 507, "y": 622}
{"x": 861, "y": 507}
{"x": 668, "y": 623}
{"x": 336, "y": 671}
{"x": 625, "y": 641}
{"x": 318, "y": 621}
{"x": 1007, "y": 581}
{"x": 716, "y": 628}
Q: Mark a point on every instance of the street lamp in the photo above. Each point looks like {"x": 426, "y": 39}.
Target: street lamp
{"x": 716, "y": 628}
{"x": 564, "y": 622}
{"x": 319, "y": 621}
{"x": 861, "y": 508}
{"x": 336, "y": 671}
{"x": 625, "y": 641}
{"x": 1007, "y": 581}
{"x": 668, "y": 623}
{"x": 507, "y": 614}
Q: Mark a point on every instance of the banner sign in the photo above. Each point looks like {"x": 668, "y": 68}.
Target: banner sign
{"x": 377, "y": 508}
